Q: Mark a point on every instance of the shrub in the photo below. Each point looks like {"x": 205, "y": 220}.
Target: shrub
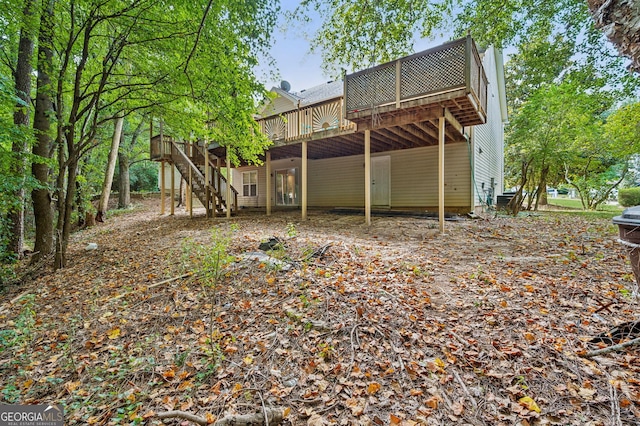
{"x": 629, "y": 196}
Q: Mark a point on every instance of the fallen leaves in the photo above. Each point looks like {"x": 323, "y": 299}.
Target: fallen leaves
{"x": 400, "y": 331}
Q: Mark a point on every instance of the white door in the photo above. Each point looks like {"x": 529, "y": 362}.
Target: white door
{"x": 380, "y": 182}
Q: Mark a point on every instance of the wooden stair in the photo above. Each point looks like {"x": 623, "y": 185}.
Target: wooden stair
{"x": 209, "y": 186}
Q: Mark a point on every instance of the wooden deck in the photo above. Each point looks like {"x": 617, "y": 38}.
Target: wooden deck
{"x": 399, "y": 102}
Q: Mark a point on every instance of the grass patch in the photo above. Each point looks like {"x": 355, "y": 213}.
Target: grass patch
{"x": 570, "y": 203}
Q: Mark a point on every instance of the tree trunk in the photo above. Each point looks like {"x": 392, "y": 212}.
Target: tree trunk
{"x": 541, "y": 195}
{"x": 124, "y": 187}
{"x": 41, "y": 196}
{"x": 64, "y": 215}
{"x": 103, "y": 206}
{"x": 21, "y": 118}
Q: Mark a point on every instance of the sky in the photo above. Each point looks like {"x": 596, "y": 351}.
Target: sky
{"x": 291, "y": 52}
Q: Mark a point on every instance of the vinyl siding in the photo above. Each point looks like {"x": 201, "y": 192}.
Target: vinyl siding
{"x": 339, "y": 182}
{"x": 488, "y": 139}
{"x": 278, "y": 106}
{"x": 261, "y": 199}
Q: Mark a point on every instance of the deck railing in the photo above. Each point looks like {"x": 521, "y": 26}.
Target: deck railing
{"x": 160, "y": 148}
{"x": 306, "y": 121}
{"x": 451, "y": 67}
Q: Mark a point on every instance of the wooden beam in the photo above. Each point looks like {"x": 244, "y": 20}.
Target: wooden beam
{"x": 304, "y": 180}
{"x": 399, "y": 120}
{"x": 228, "y": 198}
{"x": 162, "y": 186}
{"x": 393, "y": 136}
{"x": 452, "y": 120}
{"x": 268, "y": 182}
{"x": 441, "y": 123}
{"x": 367, "y": 177}
{"x": 429, "y": 131}
{"x": 428, "y": 140}
{"x": 428, "y": 102}
{"x": 207, "y": 183}
{"x": 173, "y": 190}
{"x": 406, "y": 136}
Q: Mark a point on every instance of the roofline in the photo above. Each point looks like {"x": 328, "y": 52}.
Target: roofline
{"x": 285, "y": 94}
{"x": 502, "y": 91}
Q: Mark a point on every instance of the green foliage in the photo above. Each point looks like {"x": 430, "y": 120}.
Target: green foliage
{"x": 291, "y": 230}
{"x": 207, "y": 261}
{"x": 144, "y": 176}
{"x": 628, "y": 197}
{"x": 10, "y": 181}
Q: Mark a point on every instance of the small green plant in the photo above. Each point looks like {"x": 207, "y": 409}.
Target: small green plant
{"x": 625, "y": 293}
{"x": 325, "y": 351}
{"x": 207, "y": 261}
{"x": 291, "y": 230}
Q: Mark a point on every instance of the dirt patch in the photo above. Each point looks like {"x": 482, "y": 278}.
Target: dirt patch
{"x": 388, "y": 324}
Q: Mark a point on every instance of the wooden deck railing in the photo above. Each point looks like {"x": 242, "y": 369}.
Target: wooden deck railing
{"x": 304, "y": 122}
{"x": 447, "y": 71}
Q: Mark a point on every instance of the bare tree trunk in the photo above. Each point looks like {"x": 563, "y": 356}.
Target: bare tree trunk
{"x": 124, "y": 185}
{"x": 64, "y": 215}
{"x": 41, "y": 197}
{"x": 21, "y": 118}
{"x": 103, "y": 206}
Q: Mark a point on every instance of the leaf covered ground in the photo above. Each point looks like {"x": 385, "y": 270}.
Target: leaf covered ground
{"x": 388, "y": 324}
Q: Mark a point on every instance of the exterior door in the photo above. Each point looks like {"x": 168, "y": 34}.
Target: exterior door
{"x": 380, "y": 182}
{"x": 287, "y": 187}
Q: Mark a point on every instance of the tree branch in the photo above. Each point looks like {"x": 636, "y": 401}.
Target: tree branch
{"x": 613, "y": 348}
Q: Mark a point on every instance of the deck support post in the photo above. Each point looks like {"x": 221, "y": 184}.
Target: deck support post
{"x": 173, "y": 190}
{"x": 207, "y": 180}
{"x": 268, "y": 183}
{"x": 190, "y": 193}
{"x": 441, "y": 135}
{"x": 367, "y": 176}
{"x": 228, "y": 200}
{"x": 162, "y": 187}
{"x": 304, "y": 180}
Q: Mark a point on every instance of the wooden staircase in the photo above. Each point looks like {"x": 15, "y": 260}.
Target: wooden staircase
{"x": 201, "y": 171}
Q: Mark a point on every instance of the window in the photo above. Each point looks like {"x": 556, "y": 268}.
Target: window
{"x": 250, "y": 184}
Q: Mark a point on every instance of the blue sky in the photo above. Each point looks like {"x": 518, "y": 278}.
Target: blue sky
{"x": 294, "y": 61}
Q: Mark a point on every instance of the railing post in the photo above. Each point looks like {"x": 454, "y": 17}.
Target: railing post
{"x": 398, "y": 82}
{"x": 207, "y": 192}
{"x": 228, "y": 185}
{"x": 344, "y": 93}
{"x": 467, "y": 59}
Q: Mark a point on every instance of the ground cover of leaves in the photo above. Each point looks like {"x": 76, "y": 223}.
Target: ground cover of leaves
{"x": 389, "y": 324}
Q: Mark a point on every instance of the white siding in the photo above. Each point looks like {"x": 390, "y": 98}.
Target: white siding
{"x": 278, "y": 106}
{"x": 167, "y": 177}
{"x": 488, "y": 139}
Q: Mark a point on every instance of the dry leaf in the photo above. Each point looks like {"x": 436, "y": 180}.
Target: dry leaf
{"x": 529, "y": 404}
{"x": 373, "y": 388}
{"x": 114, "y": 333}
{"x": 356, "y": 406}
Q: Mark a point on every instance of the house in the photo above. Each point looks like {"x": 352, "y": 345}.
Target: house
{"x": 422, "y": 132}
{"x": 404, "y": 152}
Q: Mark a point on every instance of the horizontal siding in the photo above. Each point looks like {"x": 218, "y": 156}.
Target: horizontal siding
{"x": 278, "y": 106}
{"x": 339, "y": 182}
{"x": 261, "y": 199}
{"x": 336, "y": 182}
{"x": 488, "y": 139}
{"x": 414, "y": 177}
